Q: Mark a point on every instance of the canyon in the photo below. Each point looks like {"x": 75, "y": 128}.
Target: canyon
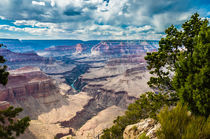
{"x": 75, "y": 89}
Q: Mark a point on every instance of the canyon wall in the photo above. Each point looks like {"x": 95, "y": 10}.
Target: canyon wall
{"x": 26, "y": 82}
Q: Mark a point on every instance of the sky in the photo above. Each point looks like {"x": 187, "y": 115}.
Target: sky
{"x": 95, "y": 19}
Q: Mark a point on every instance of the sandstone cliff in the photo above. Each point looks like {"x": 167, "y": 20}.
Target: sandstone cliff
{"x": 46, "y": 103}
{"x": 25, "y": 82}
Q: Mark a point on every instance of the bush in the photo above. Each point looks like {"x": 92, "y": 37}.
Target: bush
{"x": 178, "y": 123}
{"x": 146, "y": 106}
{"x": 143, "y": 136}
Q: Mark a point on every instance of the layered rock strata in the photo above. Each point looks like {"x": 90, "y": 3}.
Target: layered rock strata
{"x": 25, "y": 82}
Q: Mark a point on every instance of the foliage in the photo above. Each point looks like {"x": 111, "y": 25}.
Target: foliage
{"x": 162, "y": 63}
{"x": 143, "y": 136}
{"x": 192, "y": 78}
{"x": 134, "y": 128}
{"x": 178, "y": 123}
{"x": 3, "y": 73}
{"x": 182, "y": 64}
{"x": 10, "y": 126}
{"x": 146, "y": 106}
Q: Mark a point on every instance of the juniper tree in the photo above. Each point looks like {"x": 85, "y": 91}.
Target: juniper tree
{"x": 181, "y": 64}
{"x": 192, "y": 75}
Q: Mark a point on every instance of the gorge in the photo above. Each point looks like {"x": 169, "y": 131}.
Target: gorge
{"x": 71, "y": 88}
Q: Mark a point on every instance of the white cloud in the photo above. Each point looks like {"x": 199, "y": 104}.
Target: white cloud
{"x": 95, "y": 19}
{"x": 2, "y": 17}
{"x": 52, "y": 3}
{"x": 38, "y": 3}
{"x": 139, "y": 29}
{"x": 34, "y": 23}
{"x": 25, "y": 22}
{"x": 164, "y": 20}
{"x": 46, "y": 31}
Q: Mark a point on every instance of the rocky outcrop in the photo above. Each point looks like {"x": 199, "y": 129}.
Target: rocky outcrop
{"x": 20, "y": 57}
{"x": 129, "y": 78}
{"x": 79, "y": 48}
{"x": 116, "y": 47}
{"x": 25, "y": 82}
{"x": 4, "y": 105}
{"x": 71, "y": 49}
{"x": 128, "y": 59}
{"x": 42, "y": 100}
{"x": 93, "y": 128}
{"x": 15, "y": 60}
{"x": 101, "y": 99}
{"x": 145, "y": 126}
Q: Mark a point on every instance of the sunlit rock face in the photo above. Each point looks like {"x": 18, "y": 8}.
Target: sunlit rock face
{"x": 19, "y": 57}
{"x": 124, "y": 47}
{"x": 42, "y": 100}
{"x": 4, "y": 105}
{"x": 16, "y": 60}
{"x": 27, "y": 81}
{"x": 148, "y": 126}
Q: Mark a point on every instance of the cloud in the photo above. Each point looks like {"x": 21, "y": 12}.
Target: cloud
{"x": 42, "y": 31}
{"x": 72, "y": 12}
{"x": 38, "y": 3}
{"x": 97, "y": 19}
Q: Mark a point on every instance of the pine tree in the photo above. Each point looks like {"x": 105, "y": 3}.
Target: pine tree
{"x": 162, "y": 63}
{"x": 181, "y": 64}
{"x": 192, "y": 78}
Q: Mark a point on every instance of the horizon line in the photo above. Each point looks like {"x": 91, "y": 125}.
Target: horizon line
{"x": 82, "y": 40}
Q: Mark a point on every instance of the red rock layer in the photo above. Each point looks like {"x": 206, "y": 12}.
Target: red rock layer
{"x": 24, "y": 82}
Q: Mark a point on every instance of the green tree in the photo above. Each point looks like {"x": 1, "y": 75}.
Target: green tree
{"x": 3, "y": 73}
{"x": 162, "y": 63}
{"x": 146, "y": 106}
{"x": 181, "y": 64}
{"x": 192, "y": 75}
{"x": 10, "y": 125}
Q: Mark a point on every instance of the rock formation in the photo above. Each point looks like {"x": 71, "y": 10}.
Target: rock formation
{"x": 123, "y": 47}
{"x": 4, "y": 105}
{"x": 20, "y": 57}
{"x": 42, "y": 100}
{"x": 25, "y": 82}
{"x": 145, "y": 126}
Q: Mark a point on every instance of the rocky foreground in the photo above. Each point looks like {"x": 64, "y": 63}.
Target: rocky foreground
{"x": 147, "y": 127}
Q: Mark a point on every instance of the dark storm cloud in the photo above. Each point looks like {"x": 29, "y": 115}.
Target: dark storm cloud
{"x": 72, "y": 12}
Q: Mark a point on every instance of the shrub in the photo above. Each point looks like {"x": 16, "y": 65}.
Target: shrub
{"x": 143, "y": 136}
{"x": 146, "y": 106}
{"x": 178, "y": 123}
